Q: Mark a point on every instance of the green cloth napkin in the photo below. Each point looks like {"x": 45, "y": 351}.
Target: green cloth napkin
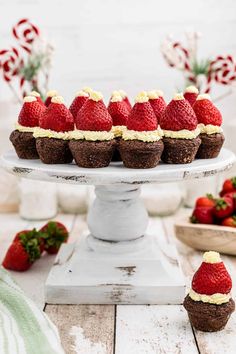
{"x": 24, "y": 329}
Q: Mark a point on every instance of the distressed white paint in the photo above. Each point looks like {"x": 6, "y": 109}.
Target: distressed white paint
{"x": 83, "y": 345}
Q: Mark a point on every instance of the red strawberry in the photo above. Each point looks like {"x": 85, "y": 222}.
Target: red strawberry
{"x": 57, "y": 117}
{"x": 223, "y": 207}
{"x": 38, "y": 97}
{"x": 125, "y": 99}
{"x": 94, "y": 116}
{"x": 54, "y": 234}
{"x": 212, "y": 278}
{"x": 230, "y": 221}
{"x": 31, "y": 112}
{"x": 207, "y": 201}
{"x": 229, "y": 185}
{"x": 118, "y": 110}
{"x": 79, "y": 100}
{"x": 178, "y": 115}
{"x": 202, "y": 215}
{"x": 142, "y": 116}
{"x": 206, "y": 112}
{"x": 232, "y": 195}
{"x": 22, "y": 252}
{"x": 50, "y": 94}
{"x": 27, "y": 235}
{"x": 191, "y": 94}
{"x": 157, "y": 102}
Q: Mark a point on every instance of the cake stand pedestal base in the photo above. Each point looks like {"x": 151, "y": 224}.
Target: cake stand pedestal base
{"x": 117, "y": 263}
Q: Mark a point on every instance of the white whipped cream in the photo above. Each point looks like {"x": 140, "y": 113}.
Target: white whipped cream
{"x": 29, "y": 99}
{"x": 48, "y": 133}
{"x": 216, "y": 299}
{"x": 34, "y": 94}
{"x": 142, "y": 97}
{"x": 118, "y": 130}
{"x": 96, "y": 96}
{"x": 21, "y": 128}
{"x": 81, "y": 93}
{"x": 191, "y": 89}
{"x": 57, "y": 99}
{"x": 146, "y": 136}
{"x": 116, "y": 97}
{"x": 87, "y": 90}
{"x": 52, "y": 93}
{"x": 210, "y": 129}
{"x": 182, "y": 134}
{"x": 203, "y": 96}
{"x": 178, "y": 96}
{"x": 211, "y": 257}
{"x": 91, "y": 135}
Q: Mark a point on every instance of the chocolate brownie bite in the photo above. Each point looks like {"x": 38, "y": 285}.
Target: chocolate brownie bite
{"x": 92, "y": 143}
{"x": 141, "y": 145}
{"x": 210, "y": 121}
{"x": 181, "y": 133}
{"x": 22, "y": 137}
{"x": 209, "y": 303}
{"x": 52, "y": 136}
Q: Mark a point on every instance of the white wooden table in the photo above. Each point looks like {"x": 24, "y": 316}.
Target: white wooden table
{"x": 122, "y": 329}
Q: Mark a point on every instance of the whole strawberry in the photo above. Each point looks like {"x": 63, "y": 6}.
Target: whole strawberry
{"x": 125, "y": 99}
{"x": 157, "y": 102}
{"x": 50, "y": 94}
{"x": 229, "y": 185}
{"x": 202, "y": 215}
{"x": 57, "y": 117}
{"x": 208, "y": 201}
{"x": 190, "y": 94}
{"x": 79, "y": 100}
{"x": 54, "y": 234}
{"x": 142, "y": 116}
{"x": 94, "y": 116}
{"x": 27, "y": 235}
{"x": 206, "y": 112}
{"x": 118, "y": 110}
{"x": 23, "y": 251}
{"x": 178, "y": 115}
{"x": 223, "y": 207}
{"x": 229, "y": 221}
{"x": 232, "y": 195}
{"x": 31, "y": 112}
{"x": 38, "y": 97}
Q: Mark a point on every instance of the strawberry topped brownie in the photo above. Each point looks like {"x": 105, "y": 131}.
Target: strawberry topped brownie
{"x": 79, "y": 100}
{"x": 22, "y": 137}
{"x": 180, "y": 128}
{"x": 37, "y": 96}
{"x": 50, "y": 94}
{"x": 52, "y": 136}
{"x": 119, "y": 112}
{"x": 209, "y": 303}
{"x": 92, "y": 143}
{"x": 210, "y": 120}
{"x": 190, "y": 94}
{"x": 141, "y": 145}
{"x": 157, "y": 102}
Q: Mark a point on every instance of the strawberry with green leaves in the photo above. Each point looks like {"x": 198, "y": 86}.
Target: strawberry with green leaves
{"x": 202, "y": 215}
{"x": 208, "y": 201}
{"x": 223, "y": 207}
{"x": 229, "y": 185}
{"x": 23, "y": 251}
{"x": 229, "y": 221}
{"x": 54, "y": 234}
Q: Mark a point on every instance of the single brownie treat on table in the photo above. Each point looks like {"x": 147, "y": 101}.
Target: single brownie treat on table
{"x": 92, "y": 143}
{"x": 77, "y": 103}
{"x": 22, "y": 137}
{"x": 52, "y": 136}
{"x": 181, "y": 132}
{"x": 50, "y": 94}
{"x": 209, "y": 303}
{"x": 119, "y": 112}
{"x": 191, "y": 94}
{"x": 210, "y": 121}
{"x": 141, "y": 145}
{"x": 38, "y": 97}
{"x": 157, "y": 102}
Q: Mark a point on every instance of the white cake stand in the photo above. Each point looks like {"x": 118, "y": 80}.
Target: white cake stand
{"x": 117, "y": 262}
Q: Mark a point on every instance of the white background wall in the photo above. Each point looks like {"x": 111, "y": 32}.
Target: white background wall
{"x": 110, "y": 44}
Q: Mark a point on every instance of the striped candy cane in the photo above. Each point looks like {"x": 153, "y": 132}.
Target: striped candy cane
{"x": 25, "y": 32}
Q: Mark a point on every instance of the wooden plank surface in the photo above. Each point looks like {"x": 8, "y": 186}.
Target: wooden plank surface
{"x": 84, "y": 329}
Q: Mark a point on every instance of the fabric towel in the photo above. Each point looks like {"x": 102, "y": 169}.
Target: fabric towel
{"x": 24, "y": 329}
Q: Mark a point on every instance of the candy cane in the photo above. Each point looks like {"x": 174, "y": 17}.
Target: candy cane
{"x": 25, "y": 32}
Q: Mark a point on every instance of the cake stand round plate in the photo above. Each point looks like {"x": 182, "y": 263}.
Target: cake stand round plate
{"x": 117, "y": 262}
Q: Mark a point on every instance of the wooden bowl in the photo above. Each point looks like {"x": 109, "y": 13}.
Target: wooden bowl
{"x": 207, "y": 237}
